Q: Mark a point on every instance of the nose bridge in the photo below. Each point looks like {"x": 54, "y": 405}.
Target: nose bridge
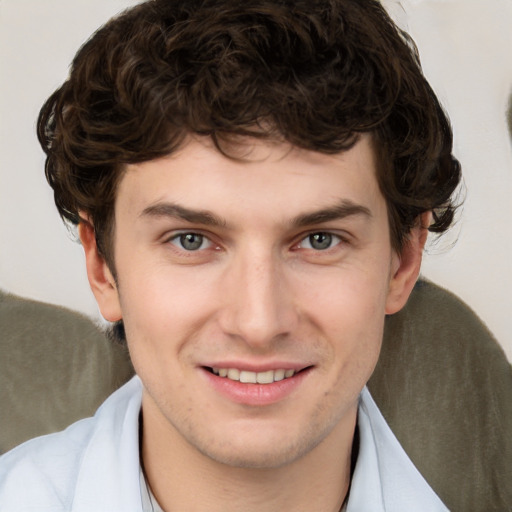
{"x": 259, "y": 307}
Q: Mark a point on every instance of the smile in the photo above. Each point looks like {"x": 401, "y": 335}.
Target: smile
{"x": 258, "y": 386}
{"x": 248, "y": 377}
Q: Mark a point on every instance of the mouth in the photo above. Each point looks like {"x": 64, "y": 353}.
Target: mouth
{"x": 256, "y": 386}
{"x": 249, "y": 377}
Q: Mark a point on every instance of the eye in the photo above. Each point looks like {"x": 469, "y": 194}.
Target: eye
{"x": 320, "y": 241}
{"x": 190, "y": 241}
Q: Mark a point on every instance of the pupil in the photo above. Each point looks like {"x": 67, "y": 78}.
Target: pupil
{"x": 320, "y": 241}
{"x": 191, "y": 241}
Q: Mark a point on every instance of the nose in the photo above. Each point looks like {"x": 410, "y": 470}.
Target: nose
{"x": 258, "y": 303}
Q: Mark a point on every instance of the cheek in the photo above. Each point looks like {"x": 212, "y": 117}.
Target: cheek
{"x": 354, "y": 296}
{"x": 161, "y": 308}
{"x": 349, "y": 309}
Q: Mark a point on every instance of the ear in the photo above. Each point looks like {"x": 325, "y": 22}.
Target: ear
{"x": 406, "y": 265}
{"x": 101, "y": 280}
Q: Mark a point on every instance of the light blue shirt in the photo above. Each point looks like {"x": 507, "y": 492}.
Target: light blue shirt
{"x": 93, "y": 465}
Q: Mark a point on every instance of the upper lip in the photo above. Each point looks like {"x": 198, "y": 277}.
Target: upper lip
{"x": 259, "y": 366}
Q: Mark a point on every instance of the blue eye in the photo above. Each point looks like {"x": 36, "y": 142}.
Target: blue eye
{"x": 190, "y": 241}
{"x": 320, "y": 241}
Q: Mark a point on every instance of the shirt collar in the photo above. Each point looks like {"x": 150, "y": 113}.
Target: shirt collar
{"x": 109, "y": 477}
{"x": 385, "y": 478}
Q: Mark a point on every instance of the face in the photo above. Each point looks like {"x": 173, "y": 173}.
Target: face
{"x": 253, "y": 294}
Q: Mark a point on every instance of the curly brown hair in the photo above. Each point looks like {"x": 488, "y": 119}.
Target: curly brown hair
{"x": 313, "y": 73}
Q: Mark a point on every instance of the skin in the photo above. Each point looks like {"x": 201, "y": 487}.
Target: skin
{"x": 257, "y": 292}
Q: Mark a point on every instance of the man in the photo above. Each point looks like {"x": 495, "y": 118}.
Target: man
{"x": 253, "y": 185}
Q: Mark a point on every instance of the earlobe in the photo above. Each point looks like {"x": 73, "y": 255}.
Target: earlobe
{"x": 101, "y": 280}
{"x": 406, "y": 266}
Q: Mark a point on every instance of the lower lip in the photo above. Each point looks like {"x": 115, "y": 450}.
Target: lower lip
{"x": 255, "y": 394}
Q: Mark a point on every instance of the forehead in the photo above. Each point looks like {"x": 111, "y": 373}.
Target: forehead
{"x": 261, "y": 177}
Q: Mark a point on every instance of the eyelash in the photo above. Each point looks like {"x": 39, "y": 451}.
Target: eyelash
{"x": 179, "y": 239}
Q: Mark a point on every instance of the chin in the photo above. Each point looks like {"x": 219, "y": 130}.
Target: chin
{"x": 255, "y": 458}
{"x": 262, "y": 448}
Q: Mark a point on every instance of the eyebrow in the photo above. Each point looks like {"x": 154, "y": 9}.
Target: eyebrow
{"x": 180, "y": 212}
{"x": 338, "y": 211}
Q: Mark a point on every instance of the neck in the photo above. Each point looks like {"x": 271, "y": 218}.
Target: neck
{"x": 181, "y": 478}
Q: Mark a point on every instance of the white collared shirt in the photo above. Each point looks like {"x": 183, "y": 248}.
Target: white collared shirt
{"x": 93, "y": 465}
{"x": 385, "y": 479}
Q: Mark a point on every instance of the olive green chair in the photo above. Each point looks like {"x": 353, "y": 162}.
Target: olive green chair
{"x": 442, "y": 382}
{"x": 445, "y": 387}
{"x": 56, "y": 367}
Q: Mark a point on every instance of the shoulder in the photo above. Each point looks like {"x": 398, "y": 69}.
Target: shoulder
{"x": 46, "y": 471}
{"x": 46, "y": 466}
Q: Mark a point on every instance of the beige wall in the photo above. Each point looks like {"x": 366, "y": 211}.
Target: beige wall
{"x": 465, "y": 46}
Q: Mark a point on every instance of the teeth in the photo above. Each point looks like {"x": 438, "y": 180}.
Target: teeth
{"x": 248, "y": 377}
{"x": 279, "y": 374}
{"x": 265, "y": 377}
{"x": 233, "y": 374}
